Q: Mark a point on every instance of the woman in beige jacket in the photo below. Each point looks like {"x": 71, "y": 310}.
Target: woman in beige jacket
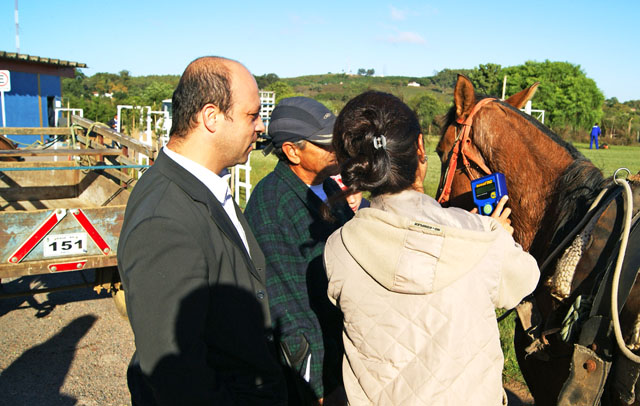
{"x": 417, "y": 283}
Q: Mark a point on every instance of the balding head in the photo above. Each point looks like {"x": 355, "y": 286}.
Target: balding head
{"x": 206, "y": 80}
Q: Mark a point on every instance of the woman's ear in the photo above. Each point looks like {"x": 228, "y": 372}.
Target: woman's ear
{"x": 292, "y": 152}
{"x": 422, "y": 155}
{"x": 421, "y": 170}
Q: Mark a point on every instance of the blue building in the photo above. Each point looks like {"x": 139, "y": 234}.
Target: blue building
{"x": 36, "y": 86}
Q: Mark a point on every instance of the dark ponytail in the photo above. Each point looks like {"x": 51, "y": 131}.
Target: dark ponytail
{"x": 375, "y": 138}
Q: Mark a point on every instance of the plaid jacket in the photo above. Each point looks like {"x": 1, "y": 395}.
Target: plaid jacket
{"x": 285, "y": 217}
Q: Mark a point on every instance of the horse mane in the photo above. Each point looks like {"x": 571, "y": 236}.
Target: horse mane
{"x": 574, "y": 189}
{"x": 575, "y": 154}
{"x": 574, "y": 192}
{"x": 449, "y": 118}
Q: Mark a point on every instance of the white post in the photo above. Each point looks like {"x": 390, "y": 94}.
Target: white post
{"x": 120, "y": 107}
{"x": 148, "y": 122}
{"x": 504, "y": 86}
{"x": 58, "y": 110}
{"x": 238, "y": 183}
{"x": 4, "y": 118}
{"x": 118, "y": 125}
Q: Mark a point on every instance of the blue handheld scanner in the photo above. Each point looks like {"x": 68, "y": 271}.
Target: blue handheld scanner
{"x": 487, "y": 192}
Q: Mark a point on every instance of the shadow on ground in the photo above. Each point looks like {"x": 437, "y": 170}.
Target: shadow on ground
{"x": 522, "y": 398}
{"x": 45, "y": 303}
{"x": 37, "y": 376}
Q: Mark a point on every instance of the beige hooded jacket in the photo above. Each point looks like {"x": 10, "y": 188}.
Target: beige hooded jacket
{"x": 418, "y": 286}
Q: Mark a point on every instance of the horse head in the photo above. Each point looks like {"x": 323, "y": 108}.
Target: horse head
{"x": 500, "y": 138}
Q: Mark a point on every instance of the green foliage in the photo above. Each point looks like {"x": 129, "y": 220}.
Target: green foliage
{"x": 427, "y": 108}
{"x": 488, "y": 79}
{"x": 264, "y": 81}
{"x": 446, "y": 79}
{"x": 282, "y": 89}
{"x": 100, "y": 94}
{"x": 156, "y": 92}
{"x": 366, "y": 72}
{"x": 569, "y": 97}
{"x": 334, "y": 90}
{"x": 621, "y": 121}
{"x": 331, "y": 105}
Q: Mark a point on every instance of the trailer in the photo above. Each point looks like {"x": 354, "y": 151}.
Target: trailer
{"x": 62, "y": 205}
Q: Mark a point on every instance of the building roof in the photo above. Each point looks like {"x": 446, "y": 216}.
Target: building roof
{"x": 39, "y": 59}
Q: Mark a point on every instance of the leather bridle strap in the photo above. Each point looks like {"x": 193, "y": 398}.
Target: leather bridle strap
{"x": 459, "y": 148}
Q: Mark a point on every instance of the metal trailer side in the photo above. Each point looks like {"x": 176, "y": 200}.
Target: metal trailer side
{"x": 66, "y": 215}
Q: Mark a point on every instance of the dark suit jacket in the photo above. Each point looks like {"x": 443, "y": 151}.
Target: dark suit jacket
{"x": 196, "y": 301}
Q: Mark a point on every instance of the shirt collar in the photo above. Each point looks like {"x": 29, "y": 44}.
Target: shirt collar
{"x": 217, "y": 185}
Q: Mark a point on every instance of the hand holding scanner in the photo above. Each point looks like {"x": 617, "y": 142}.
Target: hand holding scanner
{"x": 487, "y": 192}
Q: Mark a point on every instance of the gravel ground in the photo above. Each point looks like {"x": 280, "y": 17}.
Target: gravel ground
{"x": 72, "y": 347}
{"x": 62, "y": 348}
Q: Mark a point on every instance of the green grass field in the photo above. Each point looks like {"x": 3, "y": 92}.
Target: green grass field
{"x": 617, "y": 156}
{"x": 608, "y": 160}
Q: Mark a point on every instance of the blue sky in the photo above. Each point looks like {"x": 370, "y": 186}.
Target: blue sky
{"x": 294, "y": 38}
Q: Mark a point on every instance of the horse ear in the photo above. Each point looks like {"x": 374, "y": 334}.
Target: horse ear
{"x": 464, "y": 97}
{"x": 521, "y": 98}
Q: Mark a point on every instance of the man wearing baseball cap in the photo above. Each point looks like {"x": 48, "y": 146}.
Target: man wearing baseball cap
{"x": 285, "y": 213}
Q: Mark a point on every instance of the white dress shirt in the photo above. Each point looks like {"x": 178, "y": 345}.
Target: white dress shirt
{"x": 217, "y": 185}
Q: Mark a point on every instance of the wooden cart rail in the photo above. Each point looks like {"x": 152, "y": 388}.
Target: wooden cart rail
{"x": 59, "y": 152}
{"x": 35, "y": 130}
{"x": 95, "y": 128}
{"x": 94, "y": 143}
{"x": 124, "y": 141}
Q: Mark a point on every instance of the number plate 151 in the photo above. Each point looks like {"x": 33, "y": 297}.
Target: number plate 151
{"x": 65, "y": 244}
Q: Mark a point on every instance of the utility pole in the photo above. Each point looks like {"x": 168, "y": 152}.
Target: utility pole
{"x": 17, "y": 29}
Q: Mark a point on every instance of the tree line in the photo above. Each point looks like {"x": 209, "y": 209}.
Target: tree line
{"x": 572, "y": 101}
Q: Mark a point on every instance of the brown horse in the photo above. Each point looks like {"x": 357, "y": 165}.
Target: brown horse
{"x": 552, "y": 188}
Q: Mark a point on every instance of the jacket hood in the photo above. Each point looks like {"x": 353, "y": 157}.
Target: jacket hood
{"x": 401, "y": 243}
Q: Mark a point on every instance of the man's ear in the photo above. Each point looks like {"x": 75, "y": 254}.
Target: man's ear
{"x": 292, "y": 152}
{"x": 210, "y": 115}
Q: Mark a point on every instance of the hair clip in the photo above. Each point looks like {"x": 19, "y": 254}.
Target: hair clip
{"x": 380, "y": 142}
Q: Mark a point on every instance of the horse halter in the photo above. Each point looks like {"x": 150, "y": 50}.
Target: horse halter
{"x": 460, "y": 148}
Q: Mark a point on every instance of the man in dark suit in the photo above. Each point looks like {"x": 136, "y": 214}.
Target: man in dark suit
{"x": 193, "y": 272}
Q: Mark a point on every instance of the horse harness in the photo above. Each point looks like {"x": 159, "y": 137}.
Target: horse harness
{"x": 462, "y": 141}
{"x": 585, "y": 317}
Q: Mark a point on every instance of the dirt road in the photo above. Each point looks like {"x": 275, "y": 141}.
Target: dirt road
{"x": 62, "y": 348}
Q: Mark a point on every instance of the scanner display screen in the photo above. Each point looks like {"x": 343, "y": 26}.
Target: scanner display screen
{"x": 484, "y": 191}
